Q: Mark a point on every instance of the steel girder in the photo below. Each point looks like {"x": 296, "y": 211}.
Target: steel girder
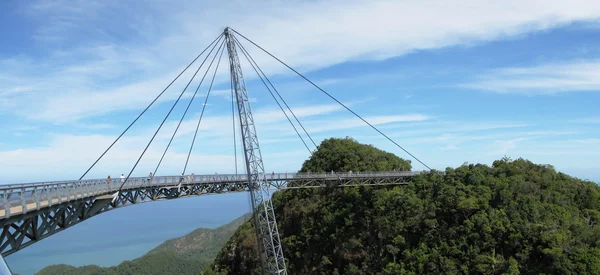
{"x": 43, "y": 219}
{"x": 340, "y": 182}
{"x": 20, "y": 231}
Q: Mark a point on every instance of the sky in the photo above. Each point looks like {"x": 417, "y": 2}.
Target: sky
{"x": 452, "y": 82}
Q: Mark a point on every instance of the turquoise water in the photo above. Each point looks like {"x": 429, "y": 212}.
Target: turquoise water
{"x": 129, "y": 232}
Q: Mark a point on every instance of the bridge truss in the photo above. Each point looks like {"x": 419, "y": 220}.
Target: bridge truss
{"x": 32, "y": 212}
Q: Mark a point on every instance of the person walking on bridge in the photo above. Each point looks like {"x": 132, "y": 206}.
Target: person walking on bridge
{"x": 108, "y": 180}
{"x": 149, "y": 177}
{"x": 122, "y": 178}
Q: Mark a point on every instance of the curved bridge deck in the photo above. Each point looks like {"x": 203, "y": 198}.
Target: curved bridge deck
{"x": 30, "y": 212}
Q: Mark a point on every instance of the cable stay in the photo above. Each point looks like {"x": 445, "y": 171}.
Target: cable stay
{"x": 148, "y": 107}
{"x": 186, "y": 110}
{"x": 332, "y": 97}
{"x": 247, "y": 54}
{"x": 204, "y": 105}
{"x": 269, "y": 89}
{"x": 162, "y": 123}
{"x": 251, "y": 61}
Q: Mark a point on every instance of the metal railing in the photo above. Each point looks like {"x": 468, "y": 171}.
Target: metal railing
{"x": 46, "y": 194}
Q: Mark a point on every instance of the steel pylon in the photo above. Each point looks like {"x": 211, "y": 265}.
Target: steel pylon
{"x": 264, "y": 217}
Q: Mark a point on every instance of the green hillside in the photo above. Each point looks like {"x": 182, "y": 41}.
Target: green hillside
{"x": 515, "y": 217}
{"x": 185, "y": 255}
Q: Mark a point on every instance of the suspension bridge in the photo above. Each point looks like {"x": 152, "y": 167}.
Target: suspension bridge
{"x": 30, "y": 212}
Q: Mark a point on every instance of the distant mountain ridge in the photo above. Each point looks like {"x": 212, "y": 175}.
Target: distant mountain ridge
{"x": 189, "y": 254}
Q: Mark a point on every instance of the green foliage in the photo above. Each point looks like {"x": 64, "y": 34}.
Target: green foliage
{"x": 241, "y": 252}
{"x": 348, "y": 155}
{"x": 514, "y": 217}
{"x": 185, "y": 255}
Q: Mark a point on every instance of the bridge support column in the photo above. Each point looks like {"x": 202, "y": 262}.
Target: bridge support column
{"x": 264, "y": 216}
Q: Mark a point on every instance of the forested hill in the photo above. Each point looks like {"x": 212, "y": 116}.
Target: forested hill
{"x": 515, "y": 217}
{"x": 189, "y": 254}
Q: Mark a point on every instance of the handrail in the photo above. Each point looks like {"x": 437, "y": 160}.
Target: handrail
{"x": 202, "y": 178}
{"x": 33, "y": 196}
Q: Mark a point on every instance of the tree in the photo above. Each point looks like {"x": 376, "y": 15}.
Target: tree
{"x": 342, "y": 155}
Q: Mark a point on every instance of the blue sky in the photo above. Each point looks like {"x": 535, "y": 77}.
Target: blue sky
{"x": 452, "y": 83}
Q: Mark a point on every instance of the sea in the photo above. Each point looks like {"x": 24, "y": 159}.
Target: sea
{"x": 128, "y": 232}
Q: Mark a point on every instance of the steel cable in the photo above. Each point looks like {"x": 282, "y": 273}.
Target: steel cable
{"x": 159, "y": 127}
{"x": 204, "y": 107}
{"x": 186, "y": 110}
{"x": 288, "y": 118}
{"x": 329, "y": 95}
{"x": 151, "y": 103}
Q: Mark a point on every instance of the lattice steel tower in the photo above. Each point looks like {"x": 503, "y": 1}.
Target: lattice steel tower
{"x": 267, "y": 234}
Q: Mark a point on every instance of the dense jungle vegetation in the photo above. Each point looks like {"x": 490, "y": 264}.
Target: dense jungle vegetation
{"x": 515, "y": 217}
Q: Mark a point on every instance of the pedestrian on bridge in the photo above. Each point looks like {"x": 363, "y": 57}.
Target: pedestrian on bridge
{"x": 122, "y": 178}
{"x": 189, "y": 178}
{"x": 193, "y": 177}
{"x": 108, "y": 180}
{"x": 150, "y": 177}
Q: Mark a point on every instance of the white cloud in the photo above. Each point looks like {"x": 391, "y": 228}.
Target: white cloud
{"x": 449, "y": 147}
{"x": 275, "y": 114}
{"x": 98, "y": 57}
{"x": 269, "y": 121}
{"x": 506, "y": 145}
{"x": 125, "y": 57}
{"x": 65, "y": 156}
{"x": 327, "y": 125}
{"x": 68, "y": 156}
{"x": 542, "y": 79}
{"x": 587, "y": 120}
{"x": 588, "y": 141}
{"x": 99, "y": 126}
{"x": 449, "y": 128}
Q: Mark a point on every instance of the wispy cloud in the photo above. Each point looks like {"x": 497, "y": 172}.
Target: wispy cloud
{"x": 103, "y": 57}
{"x": 68, "y": 156}
{"x": 589, "y": 141}
{"x": 273, "y": 114}
{"x": 587, "y": 120}
{"x": 327, "y": 125}
{"x": 95, "y": 58}
{"x": 468, "y": 137}
{"x": 542, "y": 79}
{"x": 449, "y": 147}
{"x": 507, "y": 145}
{"x": 98, "y": 126}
